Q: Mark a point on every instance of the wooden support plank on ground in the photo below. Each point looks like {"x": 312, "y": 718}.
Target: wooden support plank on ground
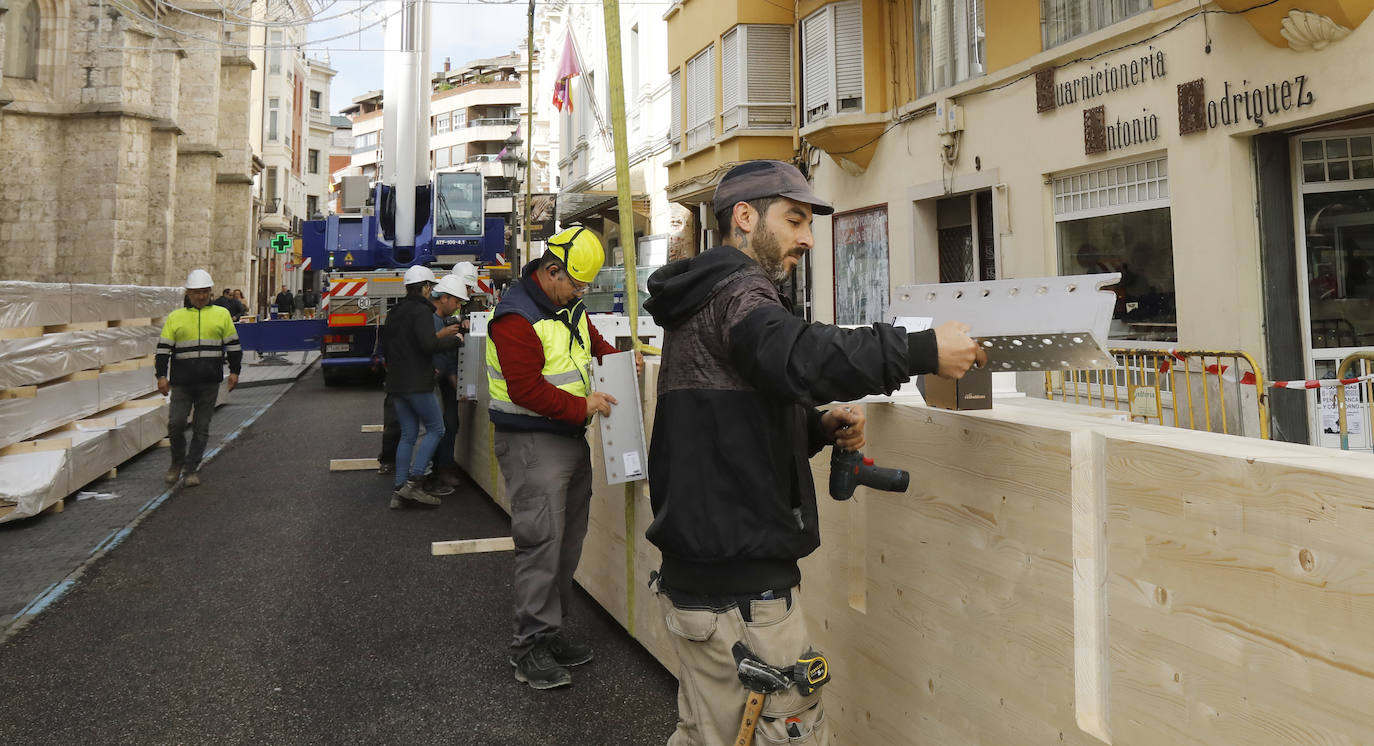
{"x": 353, "y": 464}
{"x": 373, "y": 428}
{"x": 472, "y": 546}
{"x": 35, "y": 446}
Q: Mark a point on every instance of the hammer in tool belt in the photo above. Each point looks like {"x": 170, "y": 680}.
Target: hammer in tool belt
{"x": 807, "y": 674}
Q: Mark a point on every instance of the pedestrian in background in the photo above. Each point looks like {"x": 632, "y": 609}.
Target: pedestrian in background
{"x": 196, "y": 342}
{"x": 310, "y": 300}
{"x": 230, "y": 304}
{"x": 411, "y": 342}
{"x": 539, "y": 353}
{"x": 735, "y": 426}
{"x": 286, "y": 304}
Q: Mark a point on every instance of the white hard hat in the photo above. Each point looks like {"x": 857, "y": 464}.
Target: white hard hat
{"x": 467, "y": 272}
{"x": 419, "y": 273}
{"x": 451, "y": 285}
{"x": 199, "y": 278}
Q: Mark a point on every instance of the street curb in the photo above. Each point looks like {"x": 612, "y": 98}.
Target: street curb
{"x": 55, "y": 591}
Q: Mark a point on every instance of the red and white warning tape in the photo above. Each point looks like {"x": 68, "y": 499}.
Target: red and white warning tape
{"x": 1248, "y": 378}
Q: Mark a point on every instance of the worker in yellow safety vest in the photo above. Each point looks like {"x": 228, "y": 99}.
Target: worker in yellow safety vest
{"x": 539, "y": 352}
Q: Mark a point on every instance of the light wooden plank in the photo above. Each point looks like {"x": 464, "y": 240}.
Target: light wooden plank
{"x": 82, "y": 326}
{"x": 473, "y": 546}
{"x": 1092, "y": 662}
{"x": 81, "y": 375}
{"x": 353, "y": 464}
{"x": 119, "y": 367}
{"x": 145, "y": 321}
{"x": 36, "y": 446}
{"x": 373, "y": 428}
{"x": 22, "y": 332}
{"x": 19, "y": 392}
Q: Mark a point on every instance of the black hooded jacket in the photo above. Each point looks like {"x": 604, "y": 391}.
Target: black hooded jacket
{"x": 735, "y": 425}
{"x": 409, "y": 344}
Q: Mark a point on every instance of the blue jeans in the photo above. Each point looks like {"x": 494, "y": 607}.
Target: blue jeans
{"x": 414, "y": 410}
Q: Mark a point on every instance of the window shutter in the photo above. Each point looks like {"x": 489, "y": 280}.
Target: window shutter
{"x": 849, "y": 57}
{"x": 817, "y": 82}
{"x": 675, "y": 102}
{"x": 701, "y": 99}
{"x": 768, "y": 76}
{"x": 729, "y": 79}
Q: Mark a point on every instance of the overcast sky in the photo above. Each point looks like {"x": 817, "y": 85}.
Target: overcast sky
{"x": 462, "y": 31}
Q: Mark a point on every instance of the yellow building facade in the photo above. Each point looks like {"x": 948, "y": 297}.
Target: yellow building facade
{"x": 1217, "y": 155}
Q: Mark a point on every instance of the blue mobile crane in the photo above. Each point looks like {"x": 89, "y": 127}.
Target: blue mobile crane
{"x": 411, "y": 216}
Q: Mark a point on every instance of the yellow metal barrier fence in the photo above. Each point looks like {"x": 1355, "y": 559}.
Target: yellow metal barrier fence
{"x": 1342, "y": 375}
{"x": 1150, "y": 377}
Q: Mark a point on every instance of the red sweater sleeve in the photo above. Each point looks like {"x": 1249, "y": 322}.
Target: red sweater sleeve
{"x": 522, "y": 360}
{"x": 599, "y": 344}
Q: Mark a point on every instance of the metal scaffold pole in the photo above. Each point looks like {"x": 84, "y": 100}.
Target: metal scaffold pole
{"x": 523, "y": 254}
{"x": 611, "y": 11}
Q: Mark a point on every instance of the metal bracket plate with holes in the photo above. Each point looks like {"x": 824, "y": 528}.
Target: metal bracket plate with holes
{"x": 1035, "y": 324}
{"x": 472, "y": 356}
{"x": 624, "y": 451}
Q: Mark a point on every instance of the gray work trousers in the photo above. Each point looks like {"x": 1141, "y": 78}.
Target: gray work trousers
{"x": 199, "y": 397}
{"x": 549, "y": 482}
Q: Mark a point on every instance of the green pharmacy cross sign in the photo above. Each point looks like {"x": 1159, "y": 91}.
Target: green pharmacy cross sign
{"x": 282, "y": 243}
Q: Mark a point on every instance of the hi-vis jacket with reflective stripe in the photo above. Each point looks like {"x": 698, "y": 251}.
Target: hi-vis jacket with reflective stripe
{"x": 567, "y": 343}
{"x": 198, "y": 342}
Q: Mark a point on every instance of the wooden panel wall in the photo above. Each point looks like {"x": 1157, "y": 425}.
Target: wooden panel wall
{"x": 1053, "y": 577}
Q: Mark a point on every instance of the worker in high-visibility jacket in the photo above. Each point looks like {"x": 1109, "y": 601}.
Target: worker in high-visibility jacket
{"x": 539, "y": 351}
{"x": 196, "y": 342}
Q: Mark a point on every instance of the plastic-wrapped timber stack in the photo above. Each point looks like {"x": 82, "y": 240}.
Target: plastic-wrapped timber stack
{"x": 77, "y": 390}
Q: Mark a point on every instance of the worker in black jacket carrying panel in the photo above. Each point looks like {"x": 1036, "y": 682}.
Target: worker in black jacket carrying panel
{"x": 729, "y": 479}
{"x": 411, "y": 343}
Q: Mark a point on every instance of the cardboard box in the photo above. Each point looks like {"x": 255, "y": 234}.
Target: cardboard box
{"x": 973, "y": 391}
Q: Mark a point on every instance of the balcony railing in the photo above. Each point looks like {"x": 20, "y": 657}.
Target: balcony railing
{"x": 758, "y": 116}
{"x": 493, "y": 122}
{"x": 700, "y": 135}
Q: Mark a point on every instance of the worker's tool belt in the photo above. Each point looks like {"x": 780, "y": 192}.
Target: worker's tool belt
{"x": 720, "y": 604}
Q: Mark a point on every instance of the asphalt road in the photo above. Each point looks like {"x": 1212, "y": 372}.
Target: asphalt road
{"x": 281, "y": 603}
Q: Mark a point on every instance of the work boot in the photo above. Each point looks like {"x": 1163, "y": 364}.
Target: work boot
{"x": 387, "y": 467}
{"x": 537, "y": 668}
{"x": 437, "y": 488}
{"x": 413, "y": 491}
{"x": 568, "y": 653}
{"x": 449, "y": 477}
{"x": 173, "y": 474}
{"x": 192, "y": 480}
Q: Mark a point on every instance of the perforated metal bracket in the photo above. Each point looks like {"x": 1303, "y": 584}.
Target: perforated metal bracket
{"x": 1037, "y": 324}
{"x": 624, "y": 451}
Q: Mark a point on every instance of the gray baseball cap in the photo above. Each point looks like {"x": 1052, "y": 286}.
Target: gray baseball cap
{"x": 757, "y": 179}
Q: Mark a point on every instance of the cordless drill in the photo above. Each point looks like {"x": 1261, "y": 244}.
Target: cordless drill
{"x": 849, "y": 469}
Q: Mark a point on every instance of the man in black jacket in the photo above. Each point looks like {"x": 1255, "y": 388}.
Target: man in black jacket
{"x": 286, "y": 303}
{"x": 729, "y": 475}
{"x": 411, "y": 342}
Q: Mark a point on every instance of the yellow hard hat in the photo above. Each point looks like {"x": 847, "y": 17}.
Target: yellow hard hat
{"x": 580, "y": 251}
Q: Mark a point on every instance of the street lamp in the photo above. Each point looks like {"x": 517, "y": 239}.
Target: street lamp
{"x": 511, "y": 163}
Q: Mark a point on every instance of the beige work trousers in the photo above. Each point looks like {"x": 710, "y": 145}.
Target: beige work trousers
{"x": 710, "y": 697}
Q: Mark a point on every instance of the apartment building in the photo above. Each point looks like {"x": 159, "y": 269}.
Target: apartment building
{"x": 291, "y": 105}
{"x": 582, "y": 140}
{"x": 1217, "y": 154}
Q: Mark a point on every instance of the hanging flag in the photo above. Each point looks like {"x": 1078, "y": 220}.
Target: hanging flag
{"x": 567, "y": 70}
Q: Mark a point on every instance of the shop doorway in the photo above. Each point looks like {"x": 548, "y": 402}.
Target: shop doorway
{"x": 1333, "y": 175}
{"x": 967, "y": 243}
